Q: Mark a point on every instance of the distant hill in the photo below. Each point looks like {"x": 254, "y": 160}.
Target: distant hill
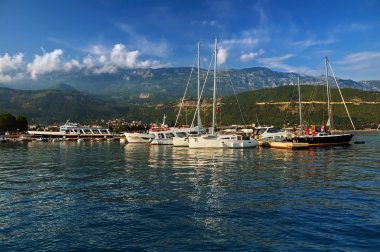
{"x": 63, "y": 87}
{"x": 168, "y": 84}
{"x": 53, "y": 105}
{"x": 269, "y": 106}
{"x": 372, "y": 84}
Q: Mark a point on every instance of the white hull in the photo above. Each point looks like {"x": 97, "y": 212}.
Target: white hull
{"x": 63, "y": 135}
{"x": 73, "y": 130}
{"x": 162, "y": 138}
{"x": 181, "y": 141}
{"x": 138, "y": 137}
{"x": 166, "y": 141}
{"x": 230, "y": 141}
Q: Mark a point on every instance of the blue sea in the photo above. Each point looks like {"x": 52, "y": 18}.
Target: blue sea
{"x": 134, "y": 197}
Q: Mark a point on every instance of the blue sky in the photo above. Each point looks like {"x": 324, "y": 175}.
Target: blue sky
{"x": 102, "y": 36}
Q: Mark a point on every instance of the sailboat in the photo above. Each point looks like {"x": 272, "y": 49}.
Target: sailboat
{"x": 214, "y": 140}
{"x": 325, "y": 137}
{"x": 180, "y": 137}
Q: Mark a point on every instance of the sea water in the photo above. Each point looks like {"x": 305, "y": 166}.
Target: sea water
{"x": 114, "y": 196}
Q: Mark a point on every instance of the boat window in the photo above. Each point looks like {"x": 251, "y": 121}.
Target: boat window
{"x": 261, "y": 131}
{"x": 169, "y": 135}
{"x": 273, "y": 130}
{"x": 180, "y": 134}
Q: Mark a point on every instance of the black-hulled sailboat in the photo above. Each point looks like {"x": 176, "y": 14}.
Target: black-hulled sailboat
{"x": 325, "y": 137}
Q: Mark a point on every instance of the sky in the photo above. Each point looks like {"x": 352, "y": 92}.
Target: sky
{"x": 38, "y": 37}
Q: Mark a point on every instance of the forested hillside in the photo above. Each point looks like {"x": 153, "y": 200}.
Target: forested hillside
{"x": 270, "y": 106}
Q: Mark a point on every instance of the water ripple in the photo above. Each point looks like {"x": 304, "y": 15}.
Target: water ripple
{"x": 69, "y": 196}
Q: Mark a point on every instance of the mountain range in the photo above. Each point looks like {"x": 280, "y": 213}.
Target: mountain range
{"x": 267, "y": 106}
{"x": 168, "y": 84}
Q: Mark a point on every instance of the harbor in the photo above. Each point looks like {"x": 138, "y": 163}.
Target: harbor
{"x": 65, "y": 195}
{"x": 248, "y": 125}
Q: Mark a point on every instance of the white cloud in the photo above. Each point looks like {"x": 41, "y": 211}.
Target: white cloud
{"x": 88, "y": 62}
{"x": 212, "y": 23}
{"x": 250, "y": 56}
{"x": 102, "y": 59}
{"x": 352, "y": 27}
{"x": 46, "y": 63}
{"x": 362, "y": 60}
{"x": 247, "y": 41}
{"x": 97, "y": 50}
{"x": 360, "y": 65}
{"x": 10, "y": 67}
{"x": 278, "y": 63}
{"x": 123, "y": 58}
{"x": 222, "y": 55}
{"x": 148, "y": 63}
{"x": 117, "y": 58}
{"x": 143, "y": 44}
{"x": 72, "y": 64}
{"x": 313, "y": 42}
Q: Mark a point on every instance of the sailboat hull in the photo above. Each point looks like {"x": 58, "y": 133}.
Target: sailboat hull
{"x": 212, "y": 141}
{"x": 324, "y": 140}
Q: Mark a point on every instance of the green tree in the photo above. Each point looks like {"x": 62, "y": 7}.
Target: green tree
{"x": 7, "y": 122}
{"x": 21, "y": 123}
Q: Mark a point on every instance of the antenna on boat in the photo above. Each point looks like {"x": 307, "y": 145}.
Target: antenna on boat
{"x": 163, "y": 120}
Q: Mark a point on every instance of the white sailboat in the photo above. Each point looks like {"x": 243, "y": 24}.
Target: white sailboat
{"x": 165, "y": 135}
{"x": 214, "y": 140}
{"x": 181, "y": 135}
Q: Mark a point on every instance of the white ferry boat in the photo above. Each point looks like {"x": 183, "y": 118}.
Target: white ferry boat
{"x": 73, "y": 130}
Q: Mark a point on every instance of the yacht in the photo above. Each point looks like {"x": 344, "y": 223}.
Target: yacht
{"x": 270, "y": 133}
{"x": 138, "y": 137}
{"x": 73, "y": 130}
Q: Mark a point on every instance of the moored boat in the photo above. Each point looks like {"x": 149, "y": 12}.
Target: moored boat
{"x": 138, "y": 137}
{"x": 73, "y": 130}
{"x": 214, "y": 140}
{"x": 270, "y": 133}
{"x": 162, "y": 138}
{"x": 324, "y": 136}
{"x": 283, "y": 144}
{"x": 324, "y": 139}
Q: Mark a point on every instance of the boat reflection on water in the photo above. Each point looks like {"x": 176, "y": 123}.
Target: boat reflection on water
{"x": 304, "y": 164}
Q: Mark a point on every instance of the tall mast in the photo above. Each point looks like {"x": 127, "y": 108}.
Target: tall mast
{"x": 329, "y": 120}
{"x": 299, "y": 101}
{"x": 214, "y": 92}
{"x": 340, "y": 92}
{"x": 199, "y": 90}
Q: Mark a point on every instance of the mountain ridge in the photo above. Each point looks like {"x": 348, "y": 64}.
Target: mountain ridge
{"x": 56, "y": 106}
{"x": 168, "y": 84}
